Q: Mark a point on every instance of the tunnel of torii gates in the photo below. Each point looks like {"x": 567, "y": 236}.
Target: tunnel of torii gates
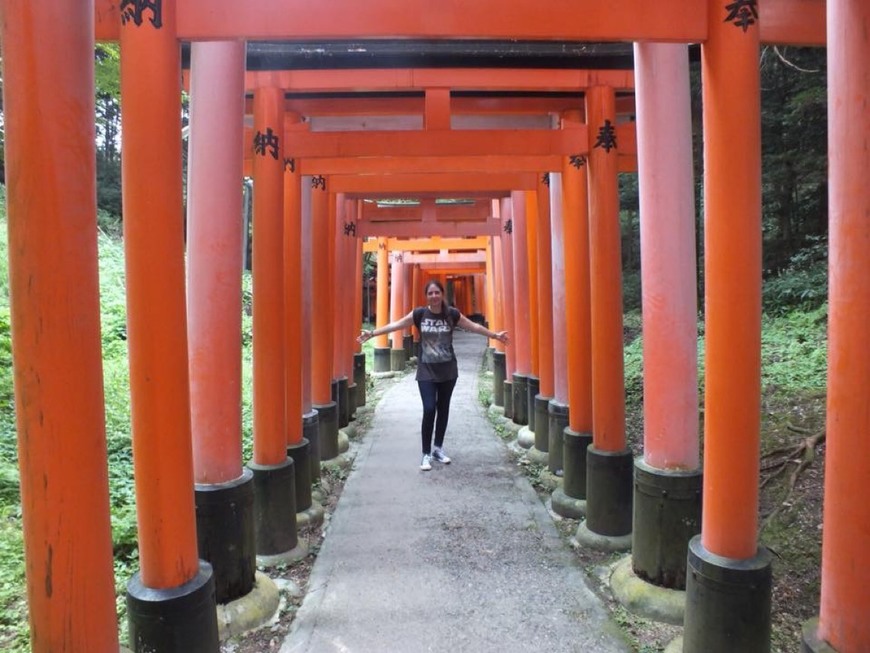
{"x": 502, "y": 139}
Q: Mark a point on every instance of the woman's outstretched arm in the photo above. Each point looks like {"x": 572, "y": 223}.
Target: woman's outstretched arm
{"x": 401, "y": 323}
{"x": 474, "y": 327}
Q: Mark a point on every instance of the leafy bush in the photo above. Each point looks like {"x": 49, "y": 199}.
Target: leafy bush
{"x": 803, "y": 283}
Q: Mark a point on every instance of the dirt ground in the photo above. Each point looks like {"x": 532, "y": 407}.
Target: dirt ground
{"x": 789, "y": 525}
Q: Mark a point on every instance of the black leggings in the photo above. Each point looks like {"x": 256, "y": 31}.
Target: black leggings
{"x": 436, "y": 410}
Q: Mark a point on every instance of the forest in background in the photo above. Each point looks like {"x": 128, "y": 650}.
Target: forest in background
{"x": 794, "y": 227}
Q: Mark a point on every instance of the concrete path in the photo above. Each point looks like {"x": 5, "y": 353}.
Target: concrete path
{"x": 462, "y": 558}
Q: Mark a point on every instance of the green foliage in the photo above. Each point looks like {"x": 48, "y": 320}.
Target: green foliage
{"x": 794, "y": 351}
{"x": 803, "y": 283}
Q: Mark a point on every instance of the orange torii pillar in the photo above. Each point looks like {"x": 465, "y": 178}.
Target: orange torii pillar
{"x": 520, "y": 334}
{"x": 479, "y": 305}
{"x": 608, "y": 461}
{"x": 495, "y": 303}
{"x": 322, "y": 320}
{"x": 557, "y": 407}
{"x": 843, "y": 625}
{"x": 667, "y": 478}
{"x": 397, "y": 311}
{"x": 507, "y": 276}
{"x": 298, "y": 446}
{"x": 157, "y": 339}
{"x": 570, "y": 499}
{"x": 310, "y": 416}
{"x": 224, "y": 488}
{"x": 416, "y": 293}
{"x": 352, "y": 283}
{"x": 274, "y": 472}
{"x": 342, "y": 303}
{"x": 359, "y": 358}
{"x": 728, "y": 587}
{"x": 534, "y": 382}
{"x": 48, "y": 100}
{"x": 540, "y": 402}
{"x": 382, "y": 317}
{"x": 408, "y": 300}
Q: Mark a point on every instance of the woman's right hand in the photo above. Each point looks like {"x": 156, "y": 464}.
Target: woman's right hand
{"x": 364, "y": 336}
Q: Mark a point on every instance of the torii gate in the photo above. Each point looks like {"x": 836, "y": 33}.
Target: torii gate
{"x": 48, "y": 72}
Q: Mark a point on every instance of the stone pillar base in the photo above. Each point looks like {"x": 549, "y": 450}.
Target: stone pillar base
{"x": 382, "y": 359}
{"x": 327, "y": 429}
{"x": 176, "y": 620}
{"x": 558, "y": 420}
{"x": 608, "y": 492}
{"x": 300, "y": 453}
{"x": 521, "y": 399}
{"x": 542, "y": 422}
{"x": 274, "y": 507}
{"x": 532, "y": 387}
{"x": 727, "y": 602}
{"x": 398, "y": 359}
{"x": 311, "y": 432}
{"x": 498, "y": 378}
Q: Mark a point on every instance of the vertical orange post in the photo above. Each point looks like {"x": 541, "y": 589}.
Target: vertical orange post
{"x": 573, "y": 233}
{"x": 606, "y": 273}
{"x": 545, "y": 292}
{"x": 532, "y": 221}
{"x": 489, "y": 280}
{"x": 732, "y": 256}
{"x": 845, "y": 601}
{"x": 507, "y": 276}
{"x": 522, "y": 313}
{"x": 310, "y": 416}
{"x": 48, "y": 100}
{"x": 667, "y": 512}
{"x": 382, "y": 348}
{"x": 397, "y": 305}
{"x": 499, "y": 362}
{"x": 608, "y": 463}
{"x": 224, "y": 490}
{"x": 270, "y": 435}
{"x": 293, "y": 300}
{"x": 214, "y": 256}
{"x": 159, "y": 383}
{"x": 322, "y": 237}
{"x": 157, "y": 338}
{"x": 575, "y": 240}
{"x": 736, "y": 615}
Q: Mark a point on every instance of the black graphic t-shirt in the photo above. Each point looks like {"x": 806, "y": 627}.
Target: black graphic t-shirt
{"x": 437, "y": 359}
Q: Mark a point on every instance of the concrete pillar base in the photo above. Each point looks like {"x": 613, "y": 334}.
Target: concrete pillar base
{"x": 300, "y": 453}
{"x": 667, "y": 514}
{"x": 382, "y": 359}
{"x": 398, "y": 360}
{"x": 225, "y": 534}
{"x": 608, "y": 492}
{"x": 574, "y": 447}
{"x": 558, "y": 417}
{"x": 408, "y": 346}
{"x": 351, "y": 399}
{"x": 342, "y": 398}
{"x": 359, "y": 378}
{"x": 520, "y": 387}
{"x": 250, "y": 611}
{"x": 536, "y": 456}
{"x": 311, "y": 432}
{"x": 498, "y": 378}
{"x": 291, "y": 557}
{"x": 532, "y": 388}
{"x": 313, "y": 516}
{"x": 810, "y": 642}
{"x": 727, "y": 602}
{"x": 645, "y": 599}
{"x": 495, "y": 411}
{"x": 566, "y": 506}
{"x": 542, "y": 422}
{"x": 274, "y": 507}
{"x": 327, "y": 429}
{"x": 508, "y": 399}
{"x": 175, "y": 620}
{"x": 592, "y": 540}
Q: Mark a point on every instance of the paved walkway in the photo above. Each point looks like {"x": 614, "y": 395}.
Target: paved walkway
{"x": 462, "y": 558}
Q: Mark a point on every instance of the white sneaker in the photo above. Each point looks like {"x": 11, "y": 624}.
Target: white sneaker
{"x": 426, "y": 463}
{"x": 439, "y": 455}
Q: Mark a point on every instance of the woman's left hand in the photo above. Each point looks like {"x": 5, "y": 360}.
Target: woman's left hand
{"x": 502, "y": 336}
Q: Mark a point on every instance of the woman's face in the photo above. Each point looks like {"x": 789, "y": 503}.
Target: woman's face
{"x": 434, "y": 295}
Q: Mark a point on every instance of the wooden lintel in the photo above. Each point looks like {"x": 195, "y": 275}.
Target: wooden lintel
{"x": 455, "y": 269}
{"x": 495, "y": 184}
{"x": 531, "y": 142}
{"x": 449, "y": 212}
{"x": 423, "y": 164}
{"x": 448, "y": 79}
{"x": 465, "y": 259}
{"x": 490, "y": 227}
{"x": 429, "y": 244}
{"x": 797, "y": 22}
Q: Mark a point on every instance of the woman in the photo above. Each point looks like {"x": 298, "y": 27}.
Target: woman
{"x": 436, "y": 369}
